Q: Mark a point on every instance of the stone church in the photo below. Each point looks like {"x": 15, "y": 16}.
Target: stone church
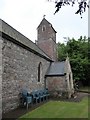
{"x": 31, "y": 66}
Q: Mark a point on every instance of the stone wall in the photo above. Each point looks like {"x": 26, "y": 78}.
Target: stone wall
{"x": 48, "y": 33}
{"x": 69, "y": 78}
{"x": 46, "y": 40}
{"x": 49, "y": 47}
{"x": 20, "y": 70}
{"x": 56, "y": 85}
{"x": 0, "y": 78}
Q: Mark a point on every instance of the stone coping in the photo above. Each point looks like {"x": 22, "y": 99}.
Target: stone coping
{"x": 7, "y": 30}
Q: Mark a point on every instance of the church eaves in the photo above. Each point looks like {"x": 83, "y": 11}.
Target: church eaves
{"x": 13, "y": 35}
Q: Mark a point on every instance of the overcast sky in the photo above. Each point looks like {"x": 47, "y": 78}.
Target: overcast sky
{"x": 25, "y": 16}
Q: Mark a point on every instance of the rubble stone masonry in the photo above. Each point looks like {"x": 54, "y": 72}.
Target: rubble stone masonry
{"x": 0, "y": 78}
{"x": 20, "y": 70}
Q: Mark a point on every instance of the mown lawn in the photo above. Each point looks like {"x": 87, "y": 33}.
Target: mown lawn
{"x": 58, "y": 109}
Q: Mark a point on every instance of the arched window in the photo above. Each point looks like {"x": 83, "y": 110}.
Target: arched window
{"x": 70, "y": 80}
{"x": 39, "y": 72}
{"x": 43, "y": 28}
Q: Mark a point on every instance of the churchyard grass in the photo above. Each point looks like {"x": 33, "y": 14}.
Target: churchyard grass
{"x": 60, "y": 109}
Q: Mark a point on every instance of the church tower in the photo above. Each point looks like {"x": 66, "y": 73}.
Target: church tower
{"x": 46, "y": 39}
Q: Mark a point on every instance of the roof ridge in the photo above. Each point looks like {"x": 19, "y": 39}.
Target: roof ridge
{"x": 48, "y": 23}
{"x": 19, "y": 37}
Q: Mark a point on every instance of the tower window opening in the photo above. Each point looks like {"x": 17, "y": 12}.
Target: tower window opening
{"x": 43, "y": 28}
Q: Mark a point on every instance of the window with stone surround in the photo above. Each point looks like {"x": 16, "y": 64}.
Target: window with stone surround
{"x": 39, "y": 72}
{"x": 43, "y": 28}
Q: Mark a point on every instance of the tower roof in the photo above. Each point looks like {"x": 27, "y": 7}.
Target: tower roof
{"x": 47, "y": 22}
{"x": 13, "y": 35}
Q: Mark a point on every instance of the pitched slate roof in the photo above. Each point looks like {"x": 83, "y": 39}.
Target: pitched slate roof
{"x": 56, "y": 69}
{"x": 11, "y": 34}
{"x": 48, "y": 23}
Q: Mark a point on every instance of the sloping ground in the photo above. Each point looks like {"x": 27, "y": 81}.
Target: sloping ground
{"x": 69, "y": 102}
{"x": 58, "y": 109}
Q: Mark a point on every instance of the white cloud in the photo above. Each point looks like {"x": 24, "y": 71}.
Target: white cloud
{"x": 25, "y": 16}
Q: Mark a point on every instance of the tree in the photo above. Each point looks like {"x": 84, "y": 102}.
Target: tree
{"x": 62, "y": 52}
{"x": 82, "y": 5}
{"x": 78, "y": 53}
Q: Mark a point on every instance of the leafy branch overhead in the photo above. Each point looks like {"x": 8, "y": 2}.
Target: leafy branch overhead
{"x": 82, "y": 5}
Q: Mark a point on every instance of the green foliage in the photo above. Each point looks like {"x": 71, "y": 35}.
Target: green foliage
{"x": 78, "y": 51}
{"x": 82, "y": 5}
{"x": 61, "y": 51}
